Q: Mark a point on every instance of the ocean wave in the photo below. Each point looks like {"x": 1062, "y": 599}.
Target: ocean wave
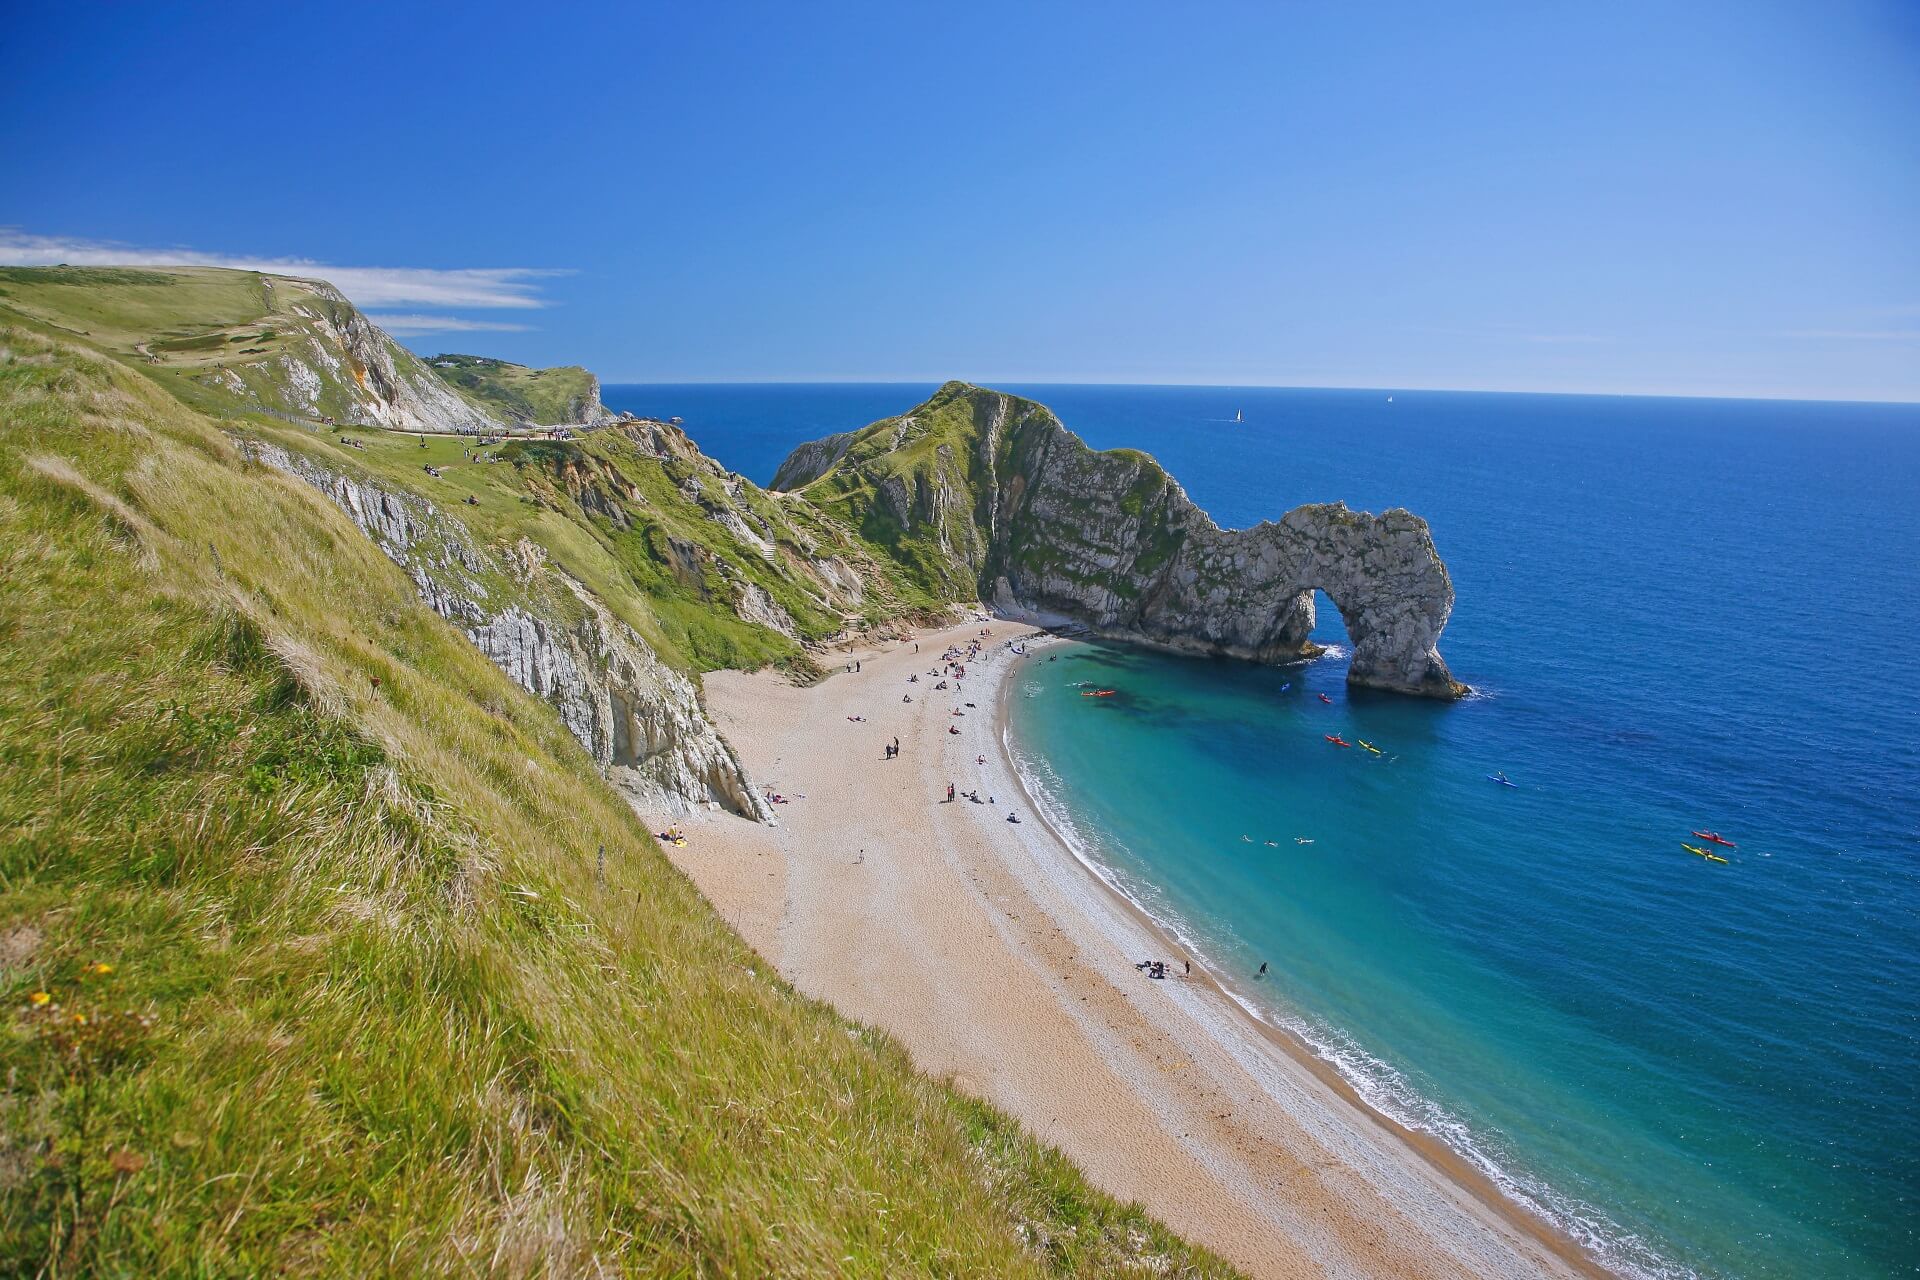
{"x": 1378, "y": 1084}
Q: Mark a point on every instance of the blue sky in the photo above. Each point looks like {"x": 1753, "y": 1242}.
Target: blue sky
{"x": 1691, "y": 198}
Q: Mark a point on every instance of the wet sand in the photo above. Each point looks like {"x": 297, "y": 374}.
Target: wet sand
{"x": 1006, "y": 966}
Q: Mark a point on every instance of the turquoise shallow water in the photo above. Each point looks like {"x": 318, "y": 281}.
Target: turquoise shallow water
{"x": 1680, "y": 614}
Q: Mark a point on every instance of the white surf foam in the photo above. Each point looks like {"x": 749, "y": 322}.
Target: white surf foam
{"x": 1377, "y": 1083}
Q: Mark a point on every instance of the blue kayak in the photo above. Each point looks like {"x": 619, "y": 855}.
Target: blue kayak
{"x": 1502, "y": 779}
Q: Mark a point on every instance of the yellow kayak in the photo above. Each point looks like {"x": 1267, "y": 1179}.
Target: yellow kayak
{"x": 1710, "y": 857}
{"x": 1369, "y": 746}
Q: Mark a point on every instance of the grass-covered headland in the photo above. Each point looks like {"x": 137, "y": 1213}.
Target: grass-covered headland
{"x": 325, "y": 951}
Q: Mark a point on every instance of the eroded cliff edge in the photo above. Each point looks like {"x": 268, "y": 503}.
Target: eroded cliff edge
{"x": 1043, "y": 527}
{"x": 641, "y": 720}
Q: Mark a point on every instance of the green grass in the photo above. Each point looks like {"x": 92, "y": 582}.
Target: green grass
{"x": 198, "y": 330}
{"x": 611, "y": 515}
{"x": 380, "y": 1012}
{"x": 540, "y": 396}
{"x": 117, "y": 307}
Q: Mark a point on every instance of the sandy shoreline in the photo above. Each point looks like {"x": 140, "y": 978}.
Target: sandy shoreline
{"x": 1003, "y": 963}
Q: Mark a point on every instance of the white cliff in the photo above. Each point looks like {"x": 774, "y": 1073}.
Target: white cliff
{"x": 641, "y": 720}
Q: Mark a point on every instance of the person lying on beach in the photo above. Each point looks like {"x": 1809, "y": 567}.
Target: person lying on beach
{"x": 906, "y": 697}
{"x": 858, "y": 719}
{"x": 979, "y": 759}
{"x": 1013, "y": 817}
{"x": 954, "y": 729}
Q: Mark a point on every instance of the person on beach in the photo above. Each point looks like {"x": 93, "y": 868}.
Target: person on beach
{"x": 896, "y": 745}
{"x": 949, "y": 793}
{"x": 1189, "y": 967}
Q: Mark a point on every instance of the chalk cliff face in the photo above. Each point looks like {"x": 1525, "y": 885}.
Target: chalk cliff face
{"x": 1047, "y": 528}
{"x": 812, "y": 460}
{"x": 641, "y": 720}
{"x": 334, "y": 360}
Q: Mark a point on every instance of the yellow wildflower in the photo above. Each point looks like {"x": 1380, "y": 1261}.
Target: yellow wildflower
{"x": 39, "y": 997}
{"x": 80, "y": 1018}
{"x": 100, "y": 968}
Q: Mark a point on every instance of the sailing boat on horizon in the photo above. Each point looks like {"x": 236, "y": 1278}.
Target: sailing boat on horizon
{"x": 1237, "y": 417}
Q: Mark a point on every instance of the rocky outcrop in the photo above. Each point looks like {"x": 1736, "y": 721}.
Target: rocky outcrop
{"x": 641, "y": 721}
{"x": 1109, "y": 540}
{"x": 811, "y": 461}
{"x": 384, "y": 384}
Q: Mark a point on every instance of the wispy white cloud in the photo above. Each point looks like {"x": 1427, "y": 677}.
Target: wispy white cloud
{"x": 482, "y": 287}
{"x": 404, "y": 326}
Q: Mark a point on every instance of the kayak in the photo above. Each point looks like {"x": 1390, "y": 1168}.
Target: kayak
{"x": 1502, "y": 779}
{"x": 1324, "y": 698}
{"x": 1336, "y": 739}
{"x": 1368, "y": 746}
{"x": 1714, "y": 837}
{"x": 1710, "y": 857}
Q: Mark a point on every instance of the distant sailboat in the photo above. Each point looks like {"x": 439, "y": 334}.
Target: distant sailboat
{"x": 1237, "y": 417}
{"x": 1389, "y": 399}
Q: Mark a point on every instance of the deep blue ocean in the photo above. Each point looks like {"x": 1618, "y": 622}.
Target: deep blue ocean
{"x": 1678, "y": 615}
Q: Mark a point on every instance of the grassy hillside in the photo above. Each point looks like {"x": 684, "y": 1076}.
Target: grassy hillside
{"x": 226, "y": 340}
{"x": 661, "y": 534}
{"x": 918, "y": 485}
{"x": 313, "y": 975}
{"x": 539, "y": 396}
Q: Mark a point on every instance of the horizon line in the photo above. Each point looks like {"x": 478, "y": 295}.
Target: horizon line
{"x": 1388, "y": 389}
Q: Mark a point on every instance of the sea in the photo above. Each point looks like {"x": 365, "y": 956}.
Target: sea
{"x": 1677, "y": 615}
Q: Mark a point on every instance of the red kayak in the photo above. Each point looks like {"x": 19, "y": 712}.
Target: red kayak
{"x": 1324, "y": 698}
{"x": 1098, "y": 693}
{"x": 1336, "y": 739}
{"x": 1716, "y": 838}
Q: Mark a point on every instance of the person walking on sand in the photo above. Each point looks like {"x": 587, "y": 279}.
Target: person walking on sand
{"x": 1189, "y": 967}
{"x": 949, "y": 793}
